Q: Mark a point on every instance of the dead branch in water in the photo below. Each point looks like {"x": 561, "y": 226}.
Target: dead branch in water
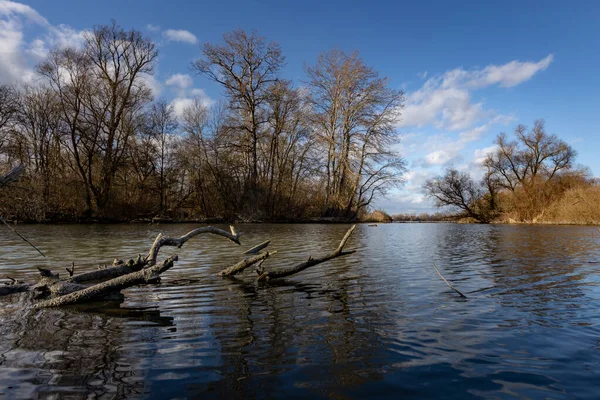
{"x": 248, "y": 262}
{"x": 13, "y": 176}
{"x": 91, "y": 293}
{"x": 161, "y": 240}
{"x": 21, "y": 236}
{"x": 448, "y": 283}
{"x": 107, "y": 283}
{"x": 267, "y": 276}
{"x": 53, "y": 292}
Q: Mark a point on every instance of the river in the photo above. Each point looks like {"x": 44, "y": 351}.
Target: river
{"x": 379, "y": 323}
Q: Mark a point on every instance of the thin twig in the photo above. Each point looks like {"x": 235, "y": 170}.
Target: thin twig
{"x": 448, "y": 283}
{"x": 21, "y": 236}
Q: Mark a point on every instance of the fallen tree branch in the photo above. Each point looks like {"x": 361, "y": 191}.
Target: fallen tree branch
{"x": 16, "y": 288}
{"x": 242, "y": 265}
{"x": 448, "y": 283}
{"x": 100, "y": 290}
{"x": 162, "y": 240}
{"x": 266, "y": 276}
{"x": 109, "y": 273}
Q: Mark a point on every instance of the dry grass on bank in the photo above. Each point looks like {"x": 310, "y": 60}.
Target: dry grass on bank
{"x": 576, "y": 206}
{"x": 379, "y": 216}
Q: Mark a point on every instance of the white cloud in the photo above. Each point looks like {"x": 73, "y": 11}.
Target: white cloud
{"x": 180, "y": 35}
{"x": 152, "y": 83}
{"x": 445, "y": 101}
{"x": 11, "y": 9}
{"x": 445, "y": 149}
{"x": 14, "y": 67}
{"x": 181, "y": 103}
{"x": 510, "y": 74}
{"x": 479, "y": 155}
{"x": 182, "y": 81}
{"x": 440, "y": 157}
{"x": 63, "y": 36}
{"x": 16, "y": 55}
{"x": 153, "y": 28}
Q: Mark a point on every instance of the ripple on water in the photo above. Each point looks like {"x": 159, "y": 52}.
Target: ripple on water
{"x": 378, "y": 323}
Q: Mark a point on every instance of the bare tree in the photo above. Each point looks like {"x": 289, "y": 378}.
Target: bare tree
{"x": 9, "y": 106}
{"x": 41, "y": 129}
{"x": 355, "y": 114}
{"x": 458, "y": 190}
{"x": 100, "y": 89}
{"x": 529, "y": 166}
{"x": 162, "y": 125}
{"x": 534, "y": 156}
{"x": 245, "y": 65}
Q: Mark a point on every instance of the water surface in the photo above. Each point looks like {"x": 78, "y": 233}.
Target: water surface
{"x": 378, "y": 323}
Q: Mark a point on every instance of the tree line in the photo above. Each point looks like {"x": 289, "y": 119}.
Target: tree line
{"x": 96, "y": 144}
{"x": 531, "y": 178}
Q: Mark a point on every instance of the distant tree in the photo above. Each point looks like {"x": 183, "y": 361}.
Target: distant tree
{"x": 458, "y": 190}
{"x": 534, "y": 157}
{"x": 9, "y": 106}
{"x": 101, "y": 90}
{"x": 530, "y": 167}
{"x": 355, "y": 114}
{"x": 246, "y": 66}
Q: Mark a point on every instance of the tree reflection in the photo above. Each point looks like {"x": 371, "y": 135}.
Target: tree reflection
{"x": 75, "y": 352}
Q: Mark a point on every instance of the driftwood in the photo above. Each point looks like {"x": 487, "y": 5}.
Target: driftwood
{"x": 51, "y": 291}
{"x": 248, "y": 262}
{"x": 311, "y": 262}
{"x": 107, "y": 284}
{"x": 147, "y": 275}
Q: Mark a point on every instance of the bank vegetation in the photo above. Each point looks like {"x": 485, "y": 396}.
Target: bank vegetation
{"x": 97, "y": 145}
{"x": 529, "y": 178}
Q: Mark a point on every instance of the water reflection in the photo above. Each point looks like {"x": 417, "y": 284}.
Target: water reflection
{"x": 73, "y": 352}
{"x": 379, "y": 323}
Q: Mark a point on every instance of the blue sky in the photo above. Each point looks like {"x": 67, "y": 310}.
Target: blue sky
{"x": 470, "y": 69}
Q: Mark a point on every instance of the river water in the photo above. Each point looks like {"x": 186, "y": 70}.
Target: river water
{"x": 378, "y": 323}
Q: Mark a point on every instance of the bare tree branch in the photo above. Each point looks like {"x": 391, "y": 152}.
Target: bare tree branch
{"x": 267, "y": 276}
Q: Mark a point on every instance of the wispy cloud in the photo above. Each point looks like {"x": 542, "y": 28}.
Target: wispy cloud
{"x": 180, "y": 35}
{"x": 153, "y": 28}
{"x": 445, "y": 101}
{"x": 18, "y": 55}
{"x": 185, "y": 94}
{"x": 181, "y": 81}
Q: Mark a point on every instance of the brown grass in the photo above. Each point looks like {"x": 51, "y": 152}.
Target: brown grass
{"x": 577, "y": 206}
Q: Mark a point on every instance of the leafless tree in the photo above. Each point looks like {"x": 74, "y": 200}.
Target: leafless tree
{"x": 529, "y": 167}
{"x": 9, "y": 106}
{"x": 101, "y": 88}
{"x": 534, "y": 156}
{"x": 458, "y": 190}
{"x": 245, "y": 65}
{"x": 162, "y": 125}
{"x": 355, "y": 114}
